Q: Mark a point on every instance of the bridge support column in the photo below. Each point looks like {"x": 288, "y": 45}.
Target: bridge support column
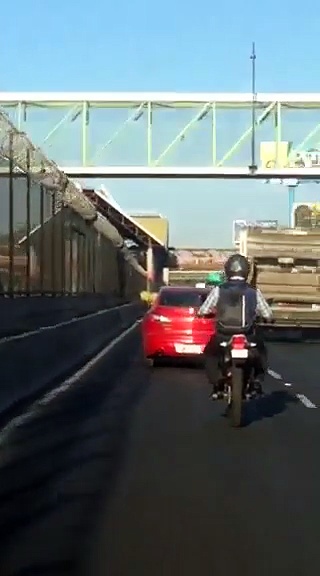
{"x": 150, "y": 267}
{"x": 160, "y": 267}
{"x": 165, "y": 275}
{"x": 156, "y": 267}
{"x": 291, "y": 201}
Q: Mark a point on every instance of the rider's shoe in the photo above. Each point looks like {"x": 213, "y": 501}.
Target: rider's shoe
{"x": 257, "y": 388}
{"x": 215, "y": 394}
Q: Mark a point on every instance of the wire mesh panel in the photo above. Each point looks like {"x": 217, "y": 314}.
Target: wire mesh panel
{"x": 49, "y": 243}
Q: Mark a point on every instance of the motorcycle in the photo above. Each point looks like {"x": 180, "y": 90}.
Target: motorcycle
{"x": 237, "y": 370}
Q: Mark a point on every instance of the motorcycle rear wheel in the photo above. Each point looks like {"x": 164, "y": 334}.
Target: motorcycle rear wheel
{"x": 237, "y": 397}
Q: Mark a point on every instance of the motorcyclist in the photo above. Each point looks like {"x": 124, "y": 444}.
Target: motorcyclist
{"x": 236, "y": 305}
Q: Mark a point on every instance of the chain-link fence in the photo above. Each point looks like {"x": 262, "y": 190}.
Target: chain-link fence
{"x": 48, "y": 244}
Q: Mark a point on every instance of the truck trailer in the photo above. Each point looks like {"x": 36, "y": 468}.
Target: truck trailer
{"x": 286, "y": 267}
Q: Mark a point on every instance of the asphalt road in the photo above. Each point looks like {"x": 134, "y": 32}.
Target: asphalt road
{"x": 133, "y": 472}
{"x": 196, "y": 497}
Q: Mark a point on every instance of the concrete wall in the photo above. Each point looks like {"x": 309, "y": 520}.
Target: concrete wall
{"x": 33, "y": 362}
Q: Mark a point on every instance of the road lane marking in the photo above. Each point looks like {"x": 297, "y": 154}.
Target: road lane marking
{"x": 305, "y": 401}
{"x": 301, "y": 397}
{"x": 274, "y": 374}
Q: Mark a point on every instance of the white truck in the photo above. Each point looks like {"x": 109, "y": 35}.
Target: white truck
{"x": 286, "y": 267}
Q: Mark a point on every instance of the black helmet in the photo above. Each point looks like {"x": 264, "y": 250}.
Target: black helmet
{"x": 237, "y": 265}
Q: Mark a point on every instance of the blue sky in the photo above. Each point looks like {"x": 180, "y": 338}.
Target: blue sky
{"x": 168, "y": 46}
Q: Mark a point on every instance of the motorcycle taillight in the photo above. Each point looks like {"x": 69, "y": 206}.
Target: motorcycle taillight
{"x": 238, "y": 342}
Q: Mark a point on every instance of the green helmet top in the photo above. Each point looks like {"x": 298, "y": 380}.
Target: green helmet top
{"x": 215, "y": 278}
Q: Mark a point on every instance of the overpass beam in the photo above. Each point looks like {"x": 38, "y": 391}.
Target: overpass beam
{"x": 278, "y": 132}
{"x": 302, "y": 145}
{"x": 181, "y": 135}
{"x": 139, "y": 153}
{"x": 214, "y": 134}
{"x": 84, "y": 132}
{"x": 71, "y": 115}
{"x": 149, "y": 134}
{"x": 265, "y": 114}
{"x": 134, "y": 117}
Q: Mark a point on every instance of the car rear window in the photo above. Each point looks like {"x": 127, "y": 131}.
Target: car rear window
{"x": 181, "y": 299}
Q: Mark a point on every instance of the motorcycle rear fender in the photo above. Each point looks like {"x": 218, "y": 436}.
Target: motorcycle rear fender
{"x": 228, "y": 360}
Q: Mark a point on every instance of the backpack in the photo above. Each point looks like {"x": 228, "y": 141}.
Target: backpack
{"x": 236, "y": 308}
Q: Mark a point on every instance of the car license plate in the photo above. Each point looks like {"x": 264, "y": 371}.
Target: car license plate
{"x": 188, "y": 348}
{"x": 239, "y": 353}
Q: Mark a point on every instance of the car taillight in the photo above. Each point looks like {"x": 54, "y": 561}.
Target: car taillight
{"x": 159, "y": 318}
{"x": 238, "y": 342}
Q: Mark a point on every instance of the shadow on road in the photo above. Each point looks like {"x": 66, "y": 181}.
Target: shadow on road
{"x": 55, "y": 466}
{"x": 268, "y": 406}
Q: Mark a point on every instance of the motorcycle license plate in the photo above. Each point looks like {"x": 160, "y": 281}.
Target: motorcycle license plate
{"x": 239, "y": 353}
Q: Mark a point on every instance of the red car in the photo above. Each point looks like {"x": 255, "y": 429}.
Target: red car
{"x": 170, "y": 329}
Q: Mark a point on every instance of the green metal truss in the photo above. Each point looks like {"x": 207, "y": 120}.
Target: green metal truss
{"x": 274, "y": 112}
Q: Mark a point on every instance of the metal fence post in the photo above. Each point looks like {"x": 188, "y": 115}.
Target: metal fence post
{"x": 28, "y": 223}
{"x": 63, "y": 248}
{"x": 52, "y": 230}
{"x": 11, "y": 218}
{"x": 42, "y": 193}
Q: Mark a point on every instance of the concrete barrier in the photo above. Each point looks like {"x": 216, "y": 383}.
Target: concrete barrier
{"x": 22, "y": 314}
{"x": 61, "y": 457}
{"x": 31, "y": 362}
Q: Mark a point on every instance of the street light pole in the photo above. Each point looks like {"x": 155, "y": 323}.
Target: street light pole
{"x": 253, "y": 57}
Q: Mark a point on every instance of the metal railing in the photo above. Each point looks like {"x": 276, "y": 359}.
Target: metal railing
{"x": 48, "y": 244}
